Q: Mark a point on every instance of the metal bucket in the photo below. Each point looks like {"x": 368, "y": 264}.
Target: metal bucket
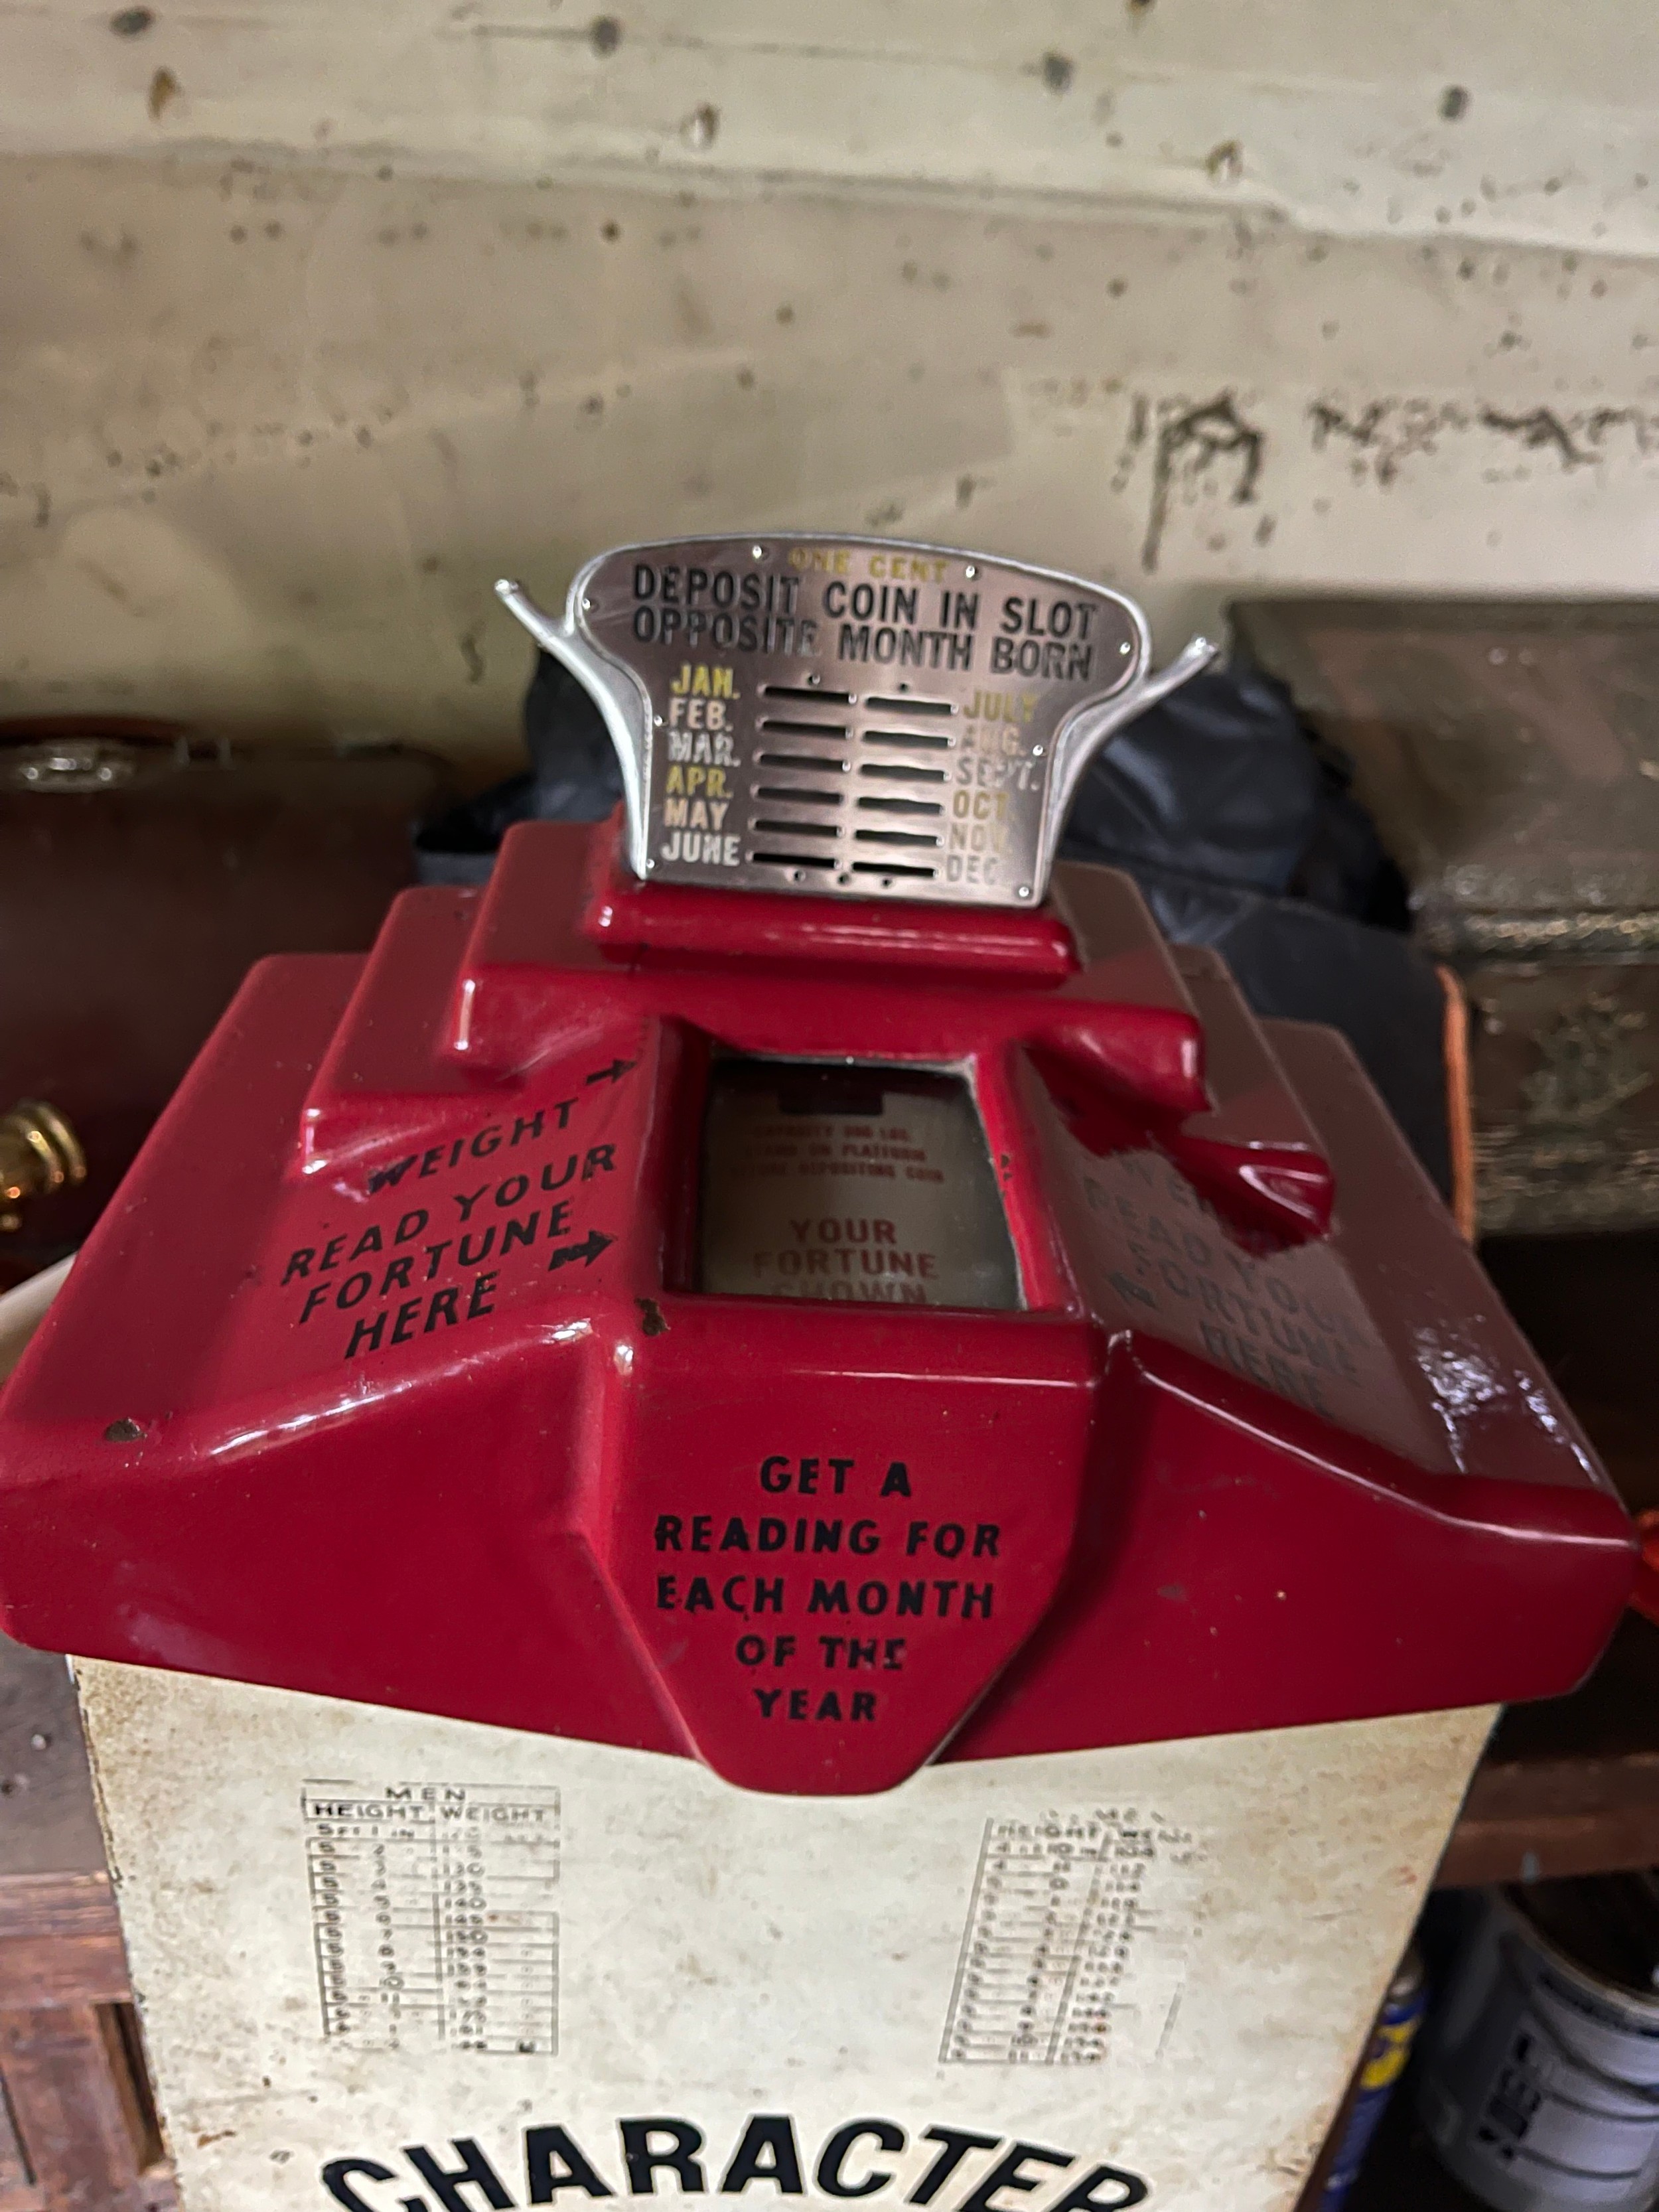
{"x": 1540, "y": 2086}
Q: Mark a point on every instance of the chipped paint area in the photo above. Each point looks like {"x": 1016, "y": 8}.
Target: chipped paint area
{"x": 1459, "y": 1377}
{"x": 1466, "y": 1387}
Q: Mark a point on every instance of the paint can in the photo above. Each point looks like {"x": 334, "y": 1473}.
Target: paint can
{"x": 1540, "y": 2086}
{"x": 1384, "y": 2062}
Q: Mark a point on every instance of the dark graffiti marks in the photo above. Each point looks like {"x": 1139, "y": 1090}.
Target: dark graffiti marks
{"x": 1381, "y": 436}
{"x": 1538, "y": 428}
{"x": 1192, "y": 443}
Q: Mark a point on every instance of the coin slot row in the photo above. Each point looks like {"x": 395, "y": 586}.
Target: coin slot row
{"x": 894, "y": 772}
{"x": 888, "y": 869}
{"x": 808, "y": 693}
{"x": 795, "y": 860}
{"x": 796, "y": 829}
{"x": 900, "y": 806}
{"x": 912, "y": 740}
{"x": 831, "y": 730}
{"x": 893, "y": 838}
{"x": 910, "y": 706}
{"x": 811, "y": 762}
{"x": 798, "y": 795}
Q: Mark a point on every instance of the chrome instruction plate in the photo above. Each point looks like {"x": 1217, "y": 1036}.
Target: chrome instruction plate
{"x": 853, "y": 717}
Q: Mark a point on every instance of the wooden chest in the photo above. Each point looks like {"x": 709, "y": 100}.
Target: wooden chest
{"x": 1510, "y": 753}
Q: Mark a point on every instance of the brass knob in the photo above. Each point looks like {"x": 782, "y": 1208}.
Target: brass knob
{"x": 38, "y": 1153}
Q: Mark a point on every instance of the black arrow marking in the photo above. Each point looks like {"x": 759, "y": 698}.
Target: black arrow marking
{"x": 587, "y": 1251}
{"x": 614, "y": 1073}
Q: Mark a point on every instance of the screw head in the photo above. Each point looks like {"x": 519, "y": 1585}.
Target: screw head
{"x": 1025, "y": 890}
{"x": 1126, "y": 649}
{"x": 758, "y": 552}
{"x": 970, "y": 571}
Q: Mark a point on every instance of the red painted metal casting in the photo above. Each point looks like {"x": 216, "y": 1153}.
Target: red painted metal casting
{"x": 385, "y": 1376}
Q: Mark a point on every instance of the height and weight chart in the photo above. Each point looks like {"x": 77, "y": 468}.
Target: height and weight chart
{"x": 432, "y": 1914}
{"x": 1073, "y": 1935}
{"x": 680, "y": 1881}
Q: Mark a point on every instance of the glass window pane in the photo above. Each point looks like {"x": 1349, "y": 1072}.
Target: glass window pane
{"x": 851, "y": 1182}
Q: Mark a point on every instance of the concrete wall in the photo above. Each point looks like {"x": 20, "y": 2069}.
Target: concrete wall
{"x": 318, "y": 317}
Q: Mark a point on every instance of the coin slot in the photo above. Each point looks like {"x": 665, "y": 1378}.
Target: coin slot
{"x": 910, "y": 706}
{"x": 894, "y": 772}
{"x": 793, "y": 859}
{"x": 797, "y": 828}
{"x": 798, "y": 794}
{"x": 893, "y": 838}
{"x": 812, "y": 696}
{"x": 805, "y": 729}
{"x": 913, "y": 740}
{"x": 888, "y": 869}
{"x": 797, "y": 760}
{"x": 900, "y": 806}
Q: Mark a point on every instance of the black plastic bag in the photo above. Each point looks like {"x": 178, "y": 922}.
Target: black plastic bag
{"x": 1298, "y": 962}
{"x": 1223, "y": 783}
{"x": 574, "y": 776}
{"x": 1244, "y": 834}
